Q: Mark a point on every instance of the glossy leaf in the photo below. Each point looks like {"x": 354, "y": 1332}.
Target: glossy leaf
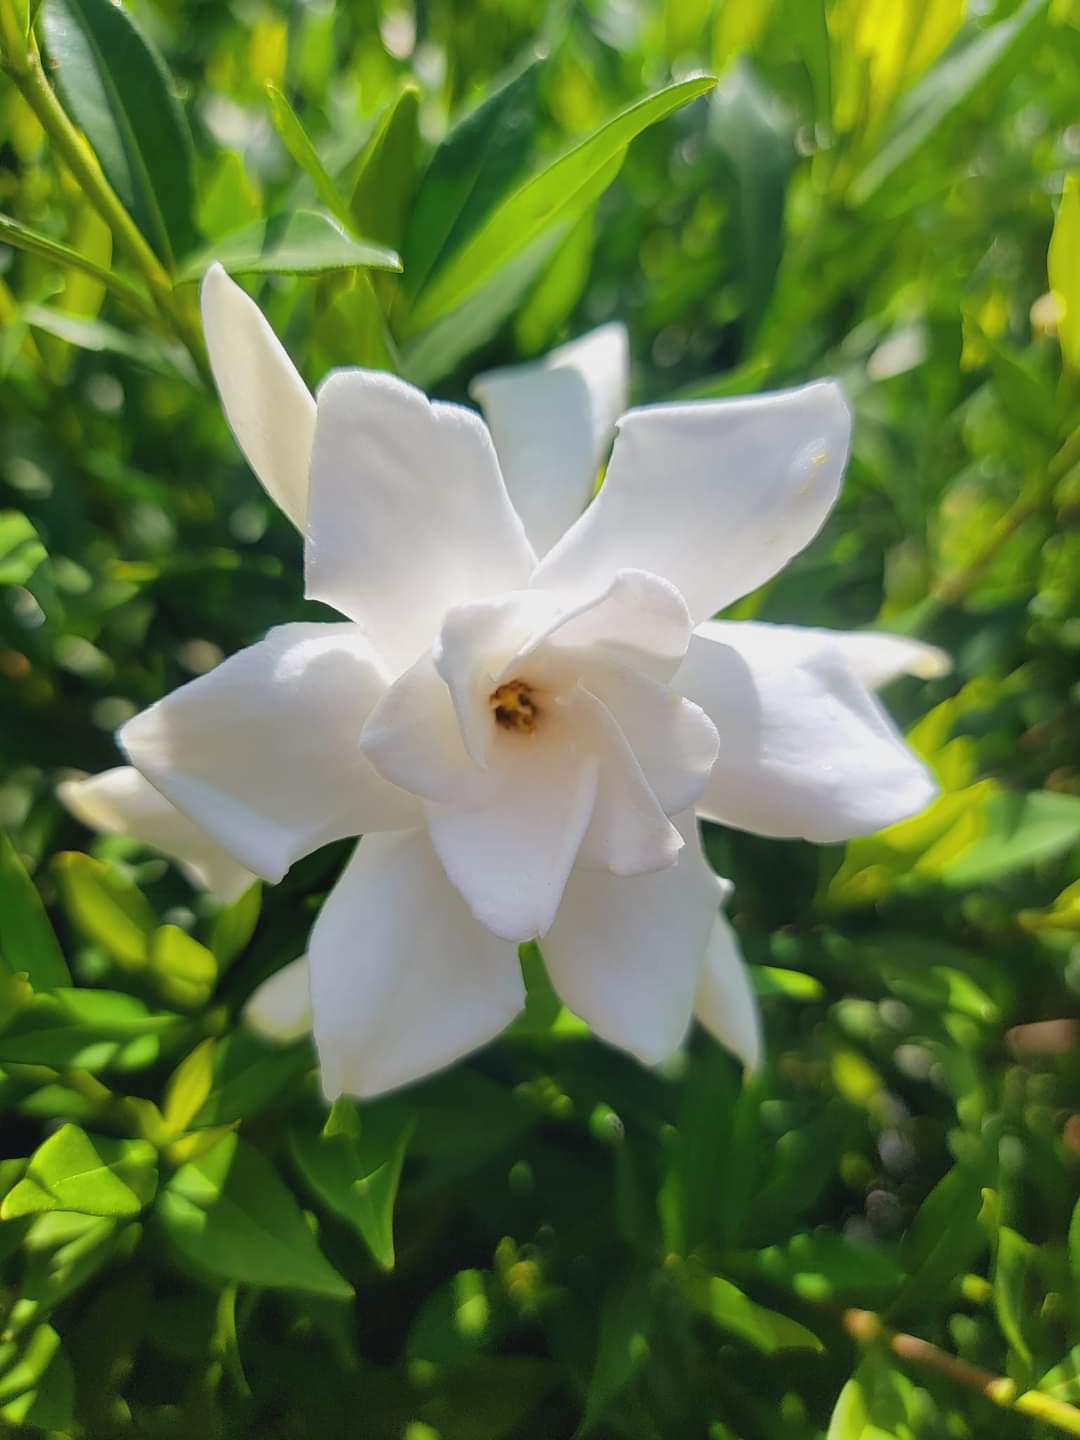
{"x": 229, "y": 1215}
{"x": 84, "y": 1174}
{"x": 302, "y": 243}
{"x": 117, "y": 87}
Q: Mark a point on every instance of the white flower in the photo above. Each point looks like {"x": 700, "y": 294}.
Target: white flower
{"x": 522, "y": 728}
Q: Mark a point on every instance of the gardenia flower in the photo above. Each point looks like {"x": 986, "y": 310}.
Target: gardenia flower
{"x": 521, "y": 719}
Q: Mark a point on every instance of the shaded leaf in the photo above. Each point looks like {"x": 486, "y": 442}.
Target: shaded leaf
{"x": 27, "y": 942}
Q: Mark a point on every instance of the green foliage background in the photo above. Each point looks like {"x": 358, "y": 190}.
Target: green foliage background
{"x": 549, "y": 1241}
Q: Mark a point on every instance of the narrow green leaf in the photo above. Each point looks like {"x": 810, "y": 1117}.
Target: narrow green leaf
{"x": 235, "y": 924}
{"x": 1063, "y": 269}
{"x": 304, "y": 242}
{"x": 622, "y": 1343}
{"x": 22, "y": 237}
{"x": 386, "y": 172}
{"x": 150, "y": 351}
{"x": 229, "y": 1215}
{"x": 944, "y": 91}
{"x": 89, "y": 1029}
{"x": 89, "y": 1175}
{"x": 117, "y": 88}
{"x": 558, "y": 190}
{"x": 1012, "y": 1265}
{"x": 357, "y": 1176}
{"x": 558, "y": 290}
{"x": 27, "y": 942}
{"x": 766, "y": 1330}
{"x": 473, "y": 167}
{"x": 296, "y": 140}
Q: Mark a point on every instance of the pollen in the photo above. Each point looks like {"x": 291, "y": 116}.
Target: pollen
{"x": 514, "y": 706}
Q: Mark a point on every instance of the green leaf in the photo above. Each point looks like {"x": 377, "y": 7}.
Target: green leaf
{"x": 791, "y": 984}
{"x": 189, "y": 1087}
{"x": 622, "y": 1344}
{"x": 766, "y": 1330}
{"x": 185, "y": 971}
{"x": 38, "y": 1391}
{"x": 558, "y": 290}
{"x": 295, "y": 139}
{"x": 234, "y": 925}
{"x": 117, "y": 88}
{"x": 558, "y": 190}
{"x": 90, "y": 1029}
{"x": 27, "y": 942}
{"x": 248, "y": 1074}
{"x": 1063, "y": 270}
{"x": 944, "y": 1238}
{"x": 877, "y": 1403}
{"x": 229, "y": 1215}
{"x": 107, "y": 907}
{"x": 944, "y": 91}
{"x": 1012, "y": 1266}
{"x": 304, "y": 242}
{"x": 433, "y": 354}
{"x": 758, "y": 145}
{"x": 824, "y": 1267}
{"x": 86, "y": 1174}
{"x": 473, "y": 166}
{"x": 228, "y": 200}
{"x": 357, "y": 1176}
{"x": 100, "y": 338}
{"x": 386, "y": 173}
{"x": 1019, "y": 830}
{"x": 22, "y": 237}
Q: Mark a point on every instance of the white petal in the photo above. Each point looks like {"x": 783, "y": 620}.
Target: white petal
{"x": 805, "y": 749}
{"x": 403, "y": 979}
{"x": 123, "y": 802}
{"x": 280, "y": 1008}
{"x": 635, "y": 618}
{"x": 269, "y": 408}
{"x": 874, "y": 657}
{"x": 673, "y": 740}
{"x": 408, "y": 513}
{"x": 413, "y": 739}
{"x": 726, "y": 1004}
{"x": 626, "y": 954}
{"x": 629, "y": 832}
{"x": 511, "y": 857}
{"x": 552, "y": 424}
{"x": 264, "y": 751}
{"x": 715, "y": 495}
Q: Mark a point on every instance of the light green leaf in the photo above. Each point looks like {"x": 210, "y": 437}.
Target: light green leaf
{"x": 89, "y": 1175}
{"x": 296, "y": 140}
{"x": 877, "y": 1403}
{"x": 229, "y": 1215}
{"x": 1012, "y": 1266}
{"x": 304, "y": 242}
{"x": 1019, "y": 830}
{"x": 791, "y": 984}
{"x": 357, "y": 1176}
{"x": 117, "y": 88}
{"x": 557, "y": 191}
{"x": 106, "y": 907}
{"x": 1063, "y": 269}
{"x": 27, "y": 942}
{"x": 99, "y": 337}
{"x": 189, "y": 1087}
{"x": 767, "y": 1330}
{"x": 229, "y": 199}
{"x": 558, "y": 290}
{"x": 944, "y": 91}
{"x": 22, "y": 237}
{"x": 38, "y": 1390}
{"x": 90, "y": 1029}
{"x": 185, "y": 971}
{"x": 472, "y": 168}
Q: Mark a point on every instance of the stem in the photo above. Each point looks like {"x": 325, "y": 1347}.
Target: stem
{"x": 23, "y": 63}
{"x": 867, "y": 1329}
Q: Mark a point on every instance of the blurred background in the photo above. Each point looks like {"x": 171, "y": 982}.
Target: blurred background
{"x": 875, "y": 189}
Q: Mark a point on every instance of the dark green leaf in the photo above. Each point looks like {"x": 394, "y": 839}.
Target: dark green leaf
{"x": 117, "y": 87}
{"x": 386, "y": 173}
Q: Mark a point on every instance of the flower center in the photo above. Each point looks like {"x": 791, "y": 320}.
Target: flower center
{"x": 514, "y": 706}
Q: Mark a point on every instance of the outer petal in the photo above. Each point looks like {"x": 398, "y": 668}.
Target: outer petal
{"x": 264, "y": 751}
{"x": 403, "y": 979}
{"x": 510, "y": 858}
{"x": 280, "y": 1008}
{"x": 122, "y": 802}
{"x": 269, "y": 408}
{"x": 726, "y": 1004}
{"x": 408, "y": 512}
{"x": 552, "y": 424}
{"x": 716, "y": 496}
{"x": 805, "y": 749}
{"x": 874, "y": 657}
{"x": 626, "y": 954}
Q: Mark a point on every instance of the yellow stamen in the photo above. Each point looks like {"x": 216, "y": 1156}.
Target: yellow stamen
{"x": 514, "y": 706}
